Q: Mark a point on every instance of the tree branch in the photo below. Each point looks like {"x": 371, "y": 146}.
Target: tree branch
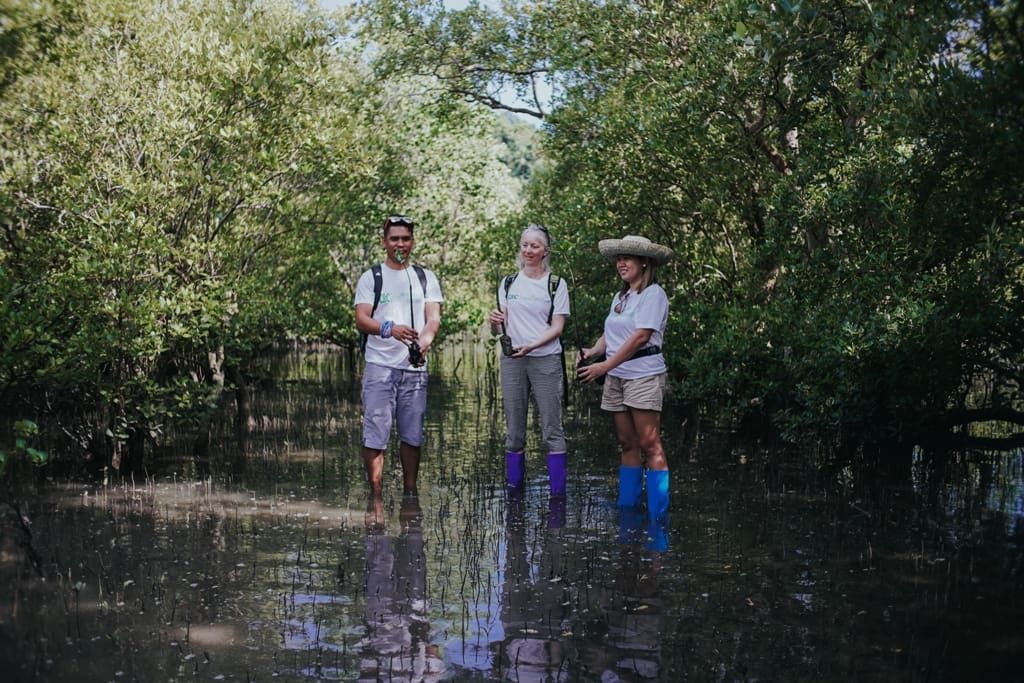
{"x": 495, "y": 103}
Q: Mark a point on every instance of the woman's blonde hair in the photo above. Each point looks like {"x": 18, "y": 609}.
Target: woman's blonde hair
{"x": 538, "y": 229}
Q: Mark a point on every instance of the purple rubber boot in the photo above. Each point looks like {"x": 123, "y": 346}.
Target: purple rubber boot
{"x": 556, "y": 512}
{"x": 556, "y": 473}
{"x": 515, "y": 469}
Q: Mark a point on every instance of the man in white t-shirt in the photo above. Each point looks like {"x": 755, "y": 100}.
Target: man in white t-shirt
{"x": 398, "y": 308}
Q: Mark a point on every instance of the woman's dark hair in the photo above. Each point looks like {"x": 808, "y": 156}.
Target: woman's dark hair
{"x": 647, "y": 276}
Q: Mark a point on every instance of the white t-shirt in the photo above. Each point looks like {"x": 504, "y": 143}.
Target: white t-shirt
{"x": 394, "y": 305}
{"x": 528, "y": 304}
{"x": 646, "y": 311}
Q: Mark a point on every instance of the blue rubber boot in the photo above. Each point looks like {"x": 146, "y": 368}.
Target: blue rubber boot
{"x": 657, "y": 494}
{"x": 631, "y": 487}
{"x": 631, "y": 526}
{"x": 656, "y": 537}
{"x": 556, "y": 473}
{"x": 515, "y": 469}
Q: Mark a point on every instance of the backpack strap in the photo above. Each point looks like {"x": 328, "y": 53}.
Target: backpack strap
{"x": 422, "y": 275}
{"x": 553, "y": 282}
{"x": 378, "y": 285}
{"x": 509, "y": 279}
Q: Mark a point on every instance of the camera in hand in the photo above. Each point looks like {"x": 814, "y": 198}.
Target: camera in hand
{"x": 416, "y": 358}
{"x": 506, "y": 345}
{"x": 591, "y": 361}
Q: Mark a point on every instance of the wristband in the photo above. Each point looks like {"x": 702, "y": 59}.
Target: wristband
{"x": 385, "y": 328}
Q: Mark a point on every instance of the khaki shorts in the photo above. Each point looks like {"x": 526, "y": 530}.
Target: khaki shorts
{"x": 644, "y": 393}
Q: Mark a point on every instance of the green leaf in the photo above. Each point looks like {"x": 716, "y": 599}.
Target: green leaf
{"x": 37, "y": 457}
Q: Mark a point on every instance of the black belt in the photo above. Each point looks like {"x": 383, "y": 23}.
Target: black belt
{"x": 648, "y": 351}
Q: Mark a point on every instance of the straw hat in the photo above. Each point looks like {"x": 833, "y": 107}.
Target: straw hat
{"x": 634, "y": 245}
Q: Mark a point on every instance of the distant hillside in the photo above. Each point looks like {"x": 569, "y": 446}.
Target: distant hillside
{"x": 522, "y": 142}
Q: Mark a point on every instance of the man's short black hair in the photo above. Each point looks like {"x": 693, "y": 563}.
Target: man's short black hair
{"x": 397, "y": 219}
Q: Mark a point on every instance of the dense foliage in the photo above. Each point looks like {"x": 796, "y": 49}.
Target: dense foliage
{"x": 184, "y": 184}
{"x": 840, "y": 182}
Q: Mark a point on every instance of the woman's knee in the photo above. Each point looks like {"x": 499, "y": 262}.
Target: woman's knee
{"x": 627, "y": 442}
{"x": 650, "y": 442}
{"x": 656, "y": 459}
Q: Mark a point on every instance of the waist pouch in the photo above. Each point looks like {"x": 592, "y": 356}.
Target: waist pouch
{"x": 649, "y": 351}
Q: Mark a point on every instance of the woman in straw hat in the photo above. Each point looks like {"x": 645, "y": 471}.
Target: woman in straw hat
{"x": 635, "y": 368}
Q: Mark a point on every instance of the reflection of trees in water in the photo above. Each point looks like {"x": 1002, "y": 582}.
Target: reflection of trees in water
{"x": 776, "y": 558}
{"x": 397, "y": 644}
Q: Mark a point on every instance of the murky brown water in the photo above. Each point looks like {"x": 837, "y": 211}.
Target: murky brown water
{"x": 276, "y": 567}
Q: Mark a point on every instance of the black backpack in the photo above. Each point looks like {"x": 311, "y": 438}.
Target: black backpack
{"x": 378, "y": 284}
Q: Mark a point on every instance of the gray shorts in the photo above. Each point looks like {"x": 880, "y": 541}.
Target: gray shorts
{"x": 642, "y": 393}
{"x": 389, "y": 393}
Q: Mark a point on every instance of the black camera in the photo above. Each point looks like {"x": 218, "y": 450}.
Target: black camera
{"x": 416, "y": 358}
{"x": 590, "y": 361}
{"x": 506, "y": 345}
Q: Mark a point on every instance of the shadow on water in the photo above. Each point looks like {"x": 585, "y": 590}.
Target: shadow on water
{"x": 775, "y": 566}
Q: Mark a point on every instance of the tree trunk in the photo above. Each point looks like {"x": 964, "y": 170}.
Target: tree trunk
{"x": 243, "y": 405}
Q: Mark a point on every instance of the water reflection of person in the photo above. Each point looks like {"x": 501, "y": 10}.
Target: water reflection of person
{"x": 397, "y": 646}
{"x": 535, "y": 604}
{"x": 623, "y": 642}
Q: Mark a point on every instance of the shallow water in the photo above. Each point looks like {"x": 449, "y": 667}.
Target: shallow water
{"x": 774, "y": 567}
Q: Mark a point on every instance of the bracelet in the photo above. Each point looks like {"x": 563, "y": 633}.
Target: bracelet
{"x": 385, "y": 328}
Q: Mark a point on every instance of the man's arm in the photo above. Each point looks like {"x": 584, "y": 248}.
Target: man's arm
{"x": 432, "y": 313}
{"x": 364, "y": 320}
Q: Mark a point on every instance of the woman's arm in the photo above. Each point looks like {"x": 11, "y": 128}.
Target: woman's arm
{"x": 496, "y": 319}
{"x": 594, "y": 351}
{"x": 590, "y": 373}
{"x": 628, "y": 348}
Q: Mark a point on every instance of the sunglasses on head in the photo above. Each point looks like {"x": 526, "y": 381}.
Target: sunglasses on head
{"x": 540, "y": 228}
{"x": 396, "y": 219}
